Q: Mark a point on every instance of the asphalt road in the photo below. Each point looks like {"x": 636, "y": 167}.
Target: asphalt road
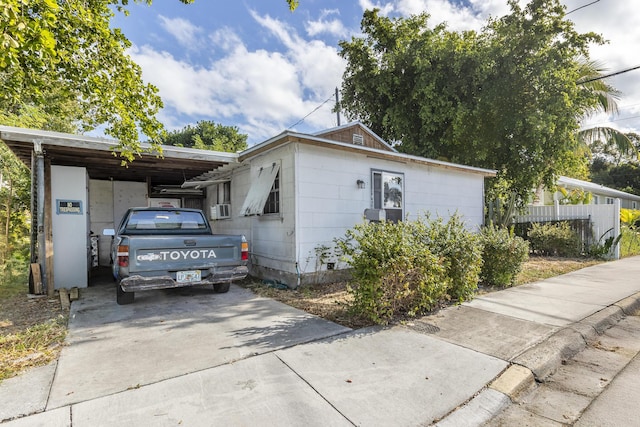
{"x": 618, "y": 404}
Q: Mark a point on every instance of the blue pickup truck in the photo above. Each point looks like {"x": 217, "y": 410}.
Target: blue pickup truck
{"x": 159, "y": 248}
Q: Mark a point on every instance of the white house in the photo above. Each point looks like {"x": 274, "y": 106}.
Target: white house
{"x": 290, "y": 196}
{"x": 293, "y": 194}
{"x": 600, "y": 195}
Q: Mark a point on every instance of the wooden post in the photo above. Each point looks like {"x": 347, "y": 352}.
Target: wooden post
{"x": 37, "y": 279}
{"x": 48, "y": 227}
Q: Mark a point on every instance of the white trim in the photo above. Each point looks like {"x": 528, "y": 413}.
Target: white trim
{"x": 373, "y": 152}
{"x": 564, "y": 181}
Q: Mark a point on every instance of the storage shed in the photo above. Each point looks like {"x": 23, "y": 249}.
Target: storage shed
{"x": 80, "y": 187}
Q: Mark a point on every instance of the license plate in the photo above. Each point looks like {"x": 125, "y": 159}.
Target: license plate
{"x": 188, "y": 276}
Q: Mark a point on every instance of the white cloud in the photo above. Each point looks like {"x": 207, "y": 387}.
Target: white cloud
{"x": 440, "y": 11}
{"x": 618, "y": 22}
{"x": 262, "y": 92}
{"x": 319, "y": 66}
{"x": 187, "y": 34}
{"x": 225, "y": 38}
{"x": 333, "y": 27}
{"x": 386, "y": 8}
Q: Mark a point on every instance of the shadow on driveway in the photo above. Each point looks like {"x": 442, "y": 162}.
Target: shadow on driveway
{"x": 169, "y": 333}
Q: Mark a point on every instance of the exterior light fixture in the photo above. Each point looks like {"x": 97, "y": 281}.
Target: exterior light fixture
{"x": 360, "y": 184}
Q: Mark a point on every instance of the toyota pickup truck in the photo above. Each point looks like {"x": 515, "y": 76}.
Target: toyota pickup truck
{"x": 159, "y": 248}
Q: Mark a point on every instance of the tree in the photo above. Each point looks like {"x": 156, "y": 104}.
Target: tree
{"x": 57, "y": 112}
{"x": 504, "y": 98}
{"x": 207, "y": 135}
{"x": 70, "y": 44}
{"x": 602, "y": 137}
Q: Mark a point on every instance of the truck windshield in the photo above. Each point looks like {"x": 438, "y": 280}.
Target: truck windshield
{"x": 165, "y": 220}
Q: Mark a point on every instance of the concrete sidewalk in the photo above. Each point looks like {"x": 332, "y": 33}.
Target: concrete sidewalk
{"x": 238, "y": 359}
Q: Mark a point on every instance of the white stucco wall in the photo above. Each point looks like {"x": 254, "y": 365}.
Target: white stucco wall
{"x": 271, "y": 237}
{"x": 320, "y": 201}
{"x": 330, "y": 202}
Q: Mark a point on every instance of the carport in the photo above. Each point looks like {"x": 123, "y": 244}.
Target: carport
{"x": 78, "y": 187}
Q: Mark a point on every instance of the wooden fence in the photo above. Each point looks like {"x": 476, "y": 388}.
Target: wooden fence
{"x": 604, "y": 219}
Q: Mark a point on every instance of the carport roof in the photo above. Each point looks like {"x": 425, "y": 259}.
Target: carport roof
{"x": 96, "y": 155}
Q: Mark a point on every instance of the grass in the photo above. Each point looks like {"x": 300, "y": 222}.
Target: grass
{"x": 35, "y": 346}
{"x": 10, "y": 289}
{"x": 540, "y": 268}
{"x": 32, "y": 330}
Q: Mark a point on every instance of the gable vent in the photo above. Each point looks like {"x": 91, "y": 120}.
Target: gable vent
{"x": 358, "y": 139}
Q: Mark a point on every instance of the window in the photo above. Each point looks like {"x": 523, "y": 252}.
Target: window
{"x": 224, "y": 193}
{"x": 265, "y": 189}
{"x": 609, "y": 200}
{"x": 634, "y": 205}
{"x": 272, "y": 204}
{"x": 165, "y": 221}
{"x": 388, "y": 188}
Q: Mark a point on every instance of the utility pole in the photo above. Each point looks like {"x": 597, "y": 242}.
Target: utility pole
{"x": 338, "y": 106}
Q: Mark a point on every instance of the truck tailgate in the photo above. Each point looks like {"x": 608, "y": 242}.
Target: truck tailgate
{"x": 172, "y": 253}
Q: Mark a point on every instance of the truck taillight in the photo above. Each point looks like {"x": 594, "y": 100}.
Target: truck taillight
{"x": 244, "y": 252}
{"x": 123, "y": 256}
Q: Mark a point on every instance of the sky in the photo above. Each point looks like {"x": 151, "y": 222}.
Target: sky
{"x": 255, "y": 65}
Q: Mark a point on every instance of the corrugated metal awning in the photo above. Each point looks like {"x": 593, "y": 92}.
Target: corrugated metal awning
{"x": 259, "y": 190}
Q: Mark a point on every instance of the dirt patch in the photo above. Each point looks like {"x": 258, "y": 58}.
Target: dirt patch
{"x": 330, "y": 301}
{"x": 32, "y": 332}
{"x": 20, "y": 312}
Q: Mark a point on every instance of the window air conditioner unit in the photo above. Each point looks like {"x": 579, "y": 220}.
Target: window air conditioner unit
{"x": 220, "y": 211}
{"x": 375, "y": 215}
{"x": 358, "y": 139}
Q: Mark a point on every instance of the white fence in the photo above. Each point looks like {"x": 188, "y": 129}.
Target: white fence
{"x": 605, "y": 219}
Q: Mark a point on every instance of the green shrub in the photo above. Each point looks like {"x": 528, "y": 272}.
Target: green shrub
{"x": 461, "y": 251}
{"x": 630, "y": 242}
{"x": 554, "y": 240}
{"x": 409, "y": 268}
{"x": 393, "y": 273}
{"x": 503, "y": 254}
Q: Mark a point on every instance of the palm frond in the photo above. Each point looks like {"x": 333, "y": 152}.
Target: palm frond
{"x": 612, "y": 138}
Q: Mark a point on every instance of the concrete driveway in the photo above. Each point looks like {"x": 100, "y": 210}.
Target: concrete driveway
{"x": 193, "y": 357}
{"x": 168, "y": 333}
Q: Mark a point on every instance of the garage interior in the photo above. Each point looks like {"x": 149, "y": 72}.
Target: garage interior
{"x": 79, "y": 187}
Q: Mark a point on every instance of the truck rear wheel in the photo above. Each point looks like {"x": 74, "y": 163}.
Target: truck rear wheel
{"x": 221, "y": 288}
{"x": 123, "y": 297}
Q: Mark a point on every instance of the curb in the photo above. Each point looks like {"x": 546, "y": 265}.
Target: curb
{"x": 543, "y": 359}
{"x": 539, "y": 362}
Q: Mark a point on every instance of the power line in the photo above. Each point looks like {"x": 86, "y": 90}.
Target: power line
{"x": 582, "y": 7}
{"x": 609, "y": 75}
{"x": 316, "y": 109}
{"x": 616, "y": 120}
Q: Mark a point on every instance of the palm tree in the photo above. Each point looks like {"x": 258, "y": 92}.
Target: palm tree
{"x": 591, "y": 78}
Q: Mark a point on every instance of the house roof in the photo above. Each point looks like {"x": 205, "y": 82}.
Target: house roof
{"x": 592, "y": 187}
{"x": 389, "y": 153}
{"x": 96, "y": 155}
{"x": 193, "y": 167}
